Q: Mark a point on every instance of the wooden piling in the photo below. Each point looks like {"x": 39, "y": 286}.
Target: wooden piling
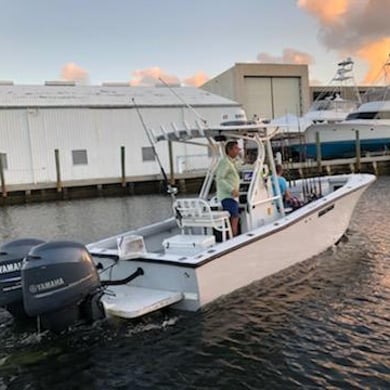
{"x": 319, "y": 157}
{"x": 182, "y": 186}
{"x": 58, "y": 169}
{"x": 357, "y": 151}
{"x": 99, "y": 190}
{"x": 2, "y": 178}
{"x": 375, "y": 167}
{"x": 123, "y": 166}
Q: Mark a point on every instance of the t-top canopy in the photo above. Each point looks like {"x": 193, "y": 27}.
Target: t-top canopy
{"x": 235, "y": 128}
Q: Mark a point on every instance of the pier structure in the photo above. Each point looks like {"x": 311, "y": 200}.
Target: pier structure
{"x": 188, "y": 182}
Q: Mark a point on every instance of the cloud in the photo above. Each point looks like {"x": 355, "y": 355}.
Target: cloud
{"x": 289, "y": 56}
{"x": 326, "y": 11}
{"x": 196, "y": 80}
{"x": 151, "y": 76}
{"x": 374, "y": 54}
{"x": 73, "y": 72}
{"x": 354, "y": 27}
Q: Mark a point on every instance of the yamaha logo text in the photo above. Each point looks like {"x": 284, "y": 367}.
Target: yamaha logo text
{"x": 11, "y": 267}
{"x": 34, "y": 288}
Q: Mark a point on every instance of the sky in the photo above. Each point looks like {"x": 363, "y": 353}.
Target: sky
{"x": 187, "y": 41}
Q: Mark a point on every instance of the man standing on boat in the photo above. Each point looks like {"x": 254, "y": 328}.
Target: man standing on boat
{"x": 228, "y": 183}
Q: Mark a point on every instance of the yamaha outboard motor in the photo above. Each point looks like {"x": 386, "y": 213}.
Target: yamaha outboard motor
{"x": 11, "y": 255}
{"x": 61, "y": 285}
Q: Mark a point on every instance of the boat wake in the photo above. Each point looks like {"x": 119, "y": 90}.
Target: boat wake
{"x": 24, "y": 348}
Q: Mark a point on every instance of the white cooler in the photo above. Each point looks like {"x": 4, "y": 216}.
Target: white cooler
{"x": 188, "y": 244}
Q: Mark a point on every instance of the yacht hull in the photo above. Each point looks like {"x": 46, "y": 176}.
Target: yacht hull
{"x": 339, "y": 140}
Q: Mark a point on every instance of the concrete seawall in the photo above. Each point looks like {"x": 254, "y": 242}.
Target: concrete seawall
{"x": 187, "y": 183}
{"x": 78, "y": 189}
{"x": 378, "y": 165}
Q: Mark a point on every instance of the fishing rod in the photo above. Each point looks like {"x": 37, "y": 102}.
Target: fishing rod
{"x": 168, "y": 188}
{"x": 207, "y": 183}
{"x": 184, "y": 102}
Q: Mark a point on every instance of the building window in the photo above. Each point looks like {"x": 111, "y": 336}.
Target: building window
{"x": 4, "y": 161}
{"x": 147, "y": 154}
{"x": 79, "y": 157}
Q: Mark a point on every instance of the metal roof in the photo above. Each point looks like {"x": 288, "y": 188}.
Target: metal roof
{"x": 54, "y": 95}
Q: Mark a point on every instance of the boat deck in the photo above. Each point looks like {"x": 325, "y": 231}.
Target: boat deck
{"x": 165, "y": 242}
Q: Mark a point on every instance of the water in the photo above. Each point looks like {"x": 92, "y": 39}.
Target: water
{"x": 324, "y": 323}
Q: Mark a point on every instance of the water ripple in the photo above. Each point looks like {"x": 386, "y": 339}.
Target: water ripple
{"x": 324, "y": 323}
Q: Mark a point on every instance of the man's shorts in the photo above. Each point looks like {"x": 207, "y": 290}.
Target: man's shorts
{"x": 230, "y": 205}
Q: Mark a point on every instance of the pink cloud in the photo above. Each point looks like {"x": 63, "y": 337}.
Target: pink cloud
{"x": 73, "y": 72}
{"x": 196, "y": 80}
{"x": 151, "y": 76}
{"x": 289, "y": 56}
{"x": 354, "y": 28}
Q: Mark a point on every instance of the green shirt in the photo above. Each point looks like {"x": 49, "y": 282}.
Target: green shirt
{"x": 227, "y": 178}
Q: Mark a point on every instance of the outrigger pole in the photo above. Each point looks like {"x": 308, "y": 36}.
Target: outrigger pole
{"x": 185, "y": 103}
{"x": 168, "y": 188}
{"x": 207, "y": 183}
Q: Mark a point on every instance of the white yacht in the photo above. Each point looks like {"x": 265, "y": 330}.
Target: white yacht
{"x": 370, "y": 122}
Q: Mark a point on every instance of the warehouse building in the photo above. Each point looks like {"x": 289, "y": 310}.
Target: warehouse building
{"x": 74, "y": 134}
{"x": 266, "y": 91}
{"x": 60, "y": 134}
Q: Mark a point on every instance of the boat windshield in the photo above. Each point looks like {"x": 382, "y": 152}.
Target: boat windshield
{"x": 334, "y": 105}
{"x": 369, "y": 115}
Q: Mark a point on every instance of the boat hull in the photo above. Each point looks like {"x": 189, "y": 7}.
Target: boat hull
{"x": 250, "y": 257}
{"x": 277, "y": 250}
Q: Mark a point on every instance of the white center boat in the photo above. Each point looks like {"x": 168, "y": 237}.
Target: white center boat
{"x": 182, "y": 257}
{"x": 191, "y": 258}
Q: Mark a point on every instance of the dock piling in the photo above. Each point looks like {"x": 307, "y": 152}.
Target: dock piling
{"x": 58, "y": 169}
{"x": 357, "y": 151}
{"x": 319, "y": 157}
{"x": 2, "y": 178}
{"x": 123, "y": 166}
{"x": 375, "y": 167}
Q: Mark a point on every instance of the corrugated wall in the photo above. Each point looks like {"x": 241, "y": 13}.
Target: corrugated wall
{"x": 29, "y": 137}
{"x": 15, "y": 143}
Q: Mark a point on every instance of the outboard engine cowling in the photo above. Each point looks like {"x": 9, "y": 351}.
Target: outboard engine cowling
{"x": 61, "y": 284}
{"x": 11, "y": 256}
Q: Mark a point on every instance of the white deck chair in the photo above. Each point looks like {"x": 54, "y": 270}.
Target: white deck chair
{"x": 196, "y": 212}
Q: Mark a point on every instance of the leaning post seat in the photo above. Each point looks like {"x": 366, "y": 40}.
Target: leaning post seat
{"x": 196, "y": 212}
